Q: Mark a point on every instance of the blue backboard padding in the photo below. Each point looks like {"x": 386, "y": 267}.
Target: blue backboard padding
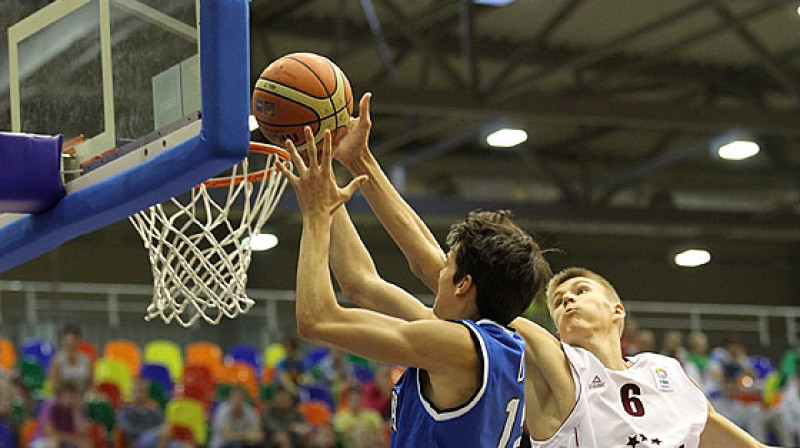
{"x": 30, "y": 172}
{"x": 223, "y": 141}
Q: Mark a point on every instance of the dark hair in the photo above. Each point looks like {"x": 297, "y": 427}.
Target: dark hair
{"x": 71, "y": 329}
{"x": 505, "y": 263}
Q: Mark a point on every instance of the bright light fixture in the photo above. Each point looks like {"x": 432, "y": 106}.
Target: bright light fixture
{"x": 262, "y": 241}
{"x": 798, "y": 10}
{"x": 738, "y": 150}
{"x": 691, "y": 258}
{"x": 253, "y": 123}
{"x": 506, "y": 138}
{"x": 493, "y": 2}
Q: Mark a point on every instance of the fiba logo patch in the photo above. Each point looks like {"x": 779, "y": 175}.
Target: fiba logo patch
{"x": 662, "y": 379}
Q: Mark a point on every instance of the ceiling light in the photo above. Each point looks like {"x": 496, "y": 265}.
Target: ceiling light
{"x": 493, "y": 2}
{"x": 506, "y": 138}
{"x": 262, "y": 241}
{"x": 253, "y": 123}
{"x": 798, "y": 10}
{"x": 738, "y": 150}
{"x": 691, "y": 258}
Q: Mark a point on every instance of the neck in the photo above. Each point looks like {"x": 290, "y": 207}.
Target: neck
{"x": 608, "y": 351}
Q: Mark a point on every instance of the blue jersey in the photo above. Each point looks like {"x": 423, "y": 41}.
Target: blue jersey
{"x": 491, "y": 418}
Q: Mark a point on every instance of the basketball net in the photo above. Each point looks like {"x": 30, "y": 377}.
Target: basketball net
{"x": 199, "y": 247}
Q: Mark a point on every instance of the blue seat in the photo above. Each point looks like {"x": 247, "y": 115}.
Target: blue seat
{"x": 245, "y": 354}
{"x": 363, "y": 374}
{"x": 317, "y": 393}
{"x": 315, "y": 355}
{"x": 40, "y": 350}
{"x": 7, "y": 438}
{"x": 158, "y": 374}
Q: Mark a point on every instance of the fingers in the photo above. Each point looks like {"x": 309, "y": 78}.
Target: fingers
{"x": 363, "y": 107}
{"x": 286, "y": 172}
{"x": 313, "y": 159}
{"x": 354, "y": 184}
{"x": 297, "y": 161}
{"x": 327, "y": 150}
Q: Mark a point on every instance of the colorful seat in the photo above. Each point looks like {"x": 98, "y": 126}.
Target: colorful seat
{"x": 28, "y": 431}
{"x": 32, "y": 374}
{"x": 245, "y": 354}
{"x": 198, "y": 383}
{"x": 111, "y": 393}
{"x": 88, "y": 349}
{"x": 315, "y": 413}
{"x": 158, "y": 394}
{"x": 167, "y": 353}
{"x": 102, "y": 412}
{"x": 107, "y": 370}
{"x": 8, "y": 354}
{"x": 315, "y": 355}
{"x": 97, "y": 435}
{"x": 318, "y": 394}
{"x": 243, "y": 375}
{"x": 158, "y": 373}
{"x": 40, "y": 350}
{"x": 125, "y": 351}
{"x": 363, "y": 374}
{"x": 182, "y": 433}
{"x": 274, "y": 354}
{"x": 189, "y": 413}
{"x": 207, "y": 354}
{"x": 7, "y": 437}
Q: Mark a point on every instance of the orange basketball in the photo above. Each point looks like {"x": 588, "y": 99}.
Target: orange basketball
{"x": 298, "y": 90}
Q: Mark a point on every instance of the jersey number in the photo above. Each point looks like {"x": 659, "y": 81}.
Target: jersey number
{"x": 512, "y": 407}
{"x": 632, "y": 405}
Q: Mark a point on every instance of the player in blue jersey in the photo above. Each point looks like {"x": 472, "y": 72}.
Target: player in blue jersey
{"x": 465, "y": 384}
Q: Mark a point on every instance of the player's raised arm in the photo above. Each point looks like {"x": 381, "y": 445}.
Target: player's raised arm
{"x": 424, "y": 255}
{"x": 359, "y": 279}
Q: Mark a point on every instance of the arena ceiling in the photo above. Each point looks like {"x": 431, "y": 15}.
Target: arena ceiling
{"x": 622, "y": 101}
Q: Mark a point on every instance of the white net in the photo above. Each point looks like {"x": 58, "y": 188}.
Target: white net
{"x": 198, "y": 244}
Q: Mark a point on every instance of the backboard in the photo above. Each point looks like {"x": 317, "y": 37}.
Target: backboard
{"x": 150, "y": 101}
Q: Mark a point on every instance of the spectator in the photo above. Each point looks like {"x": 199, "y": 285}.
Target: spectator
{"x": 236, "y": 423}
{"x": 63, "y": 421}
{"x": 646, "y": 341}
{"x": 282, "y": 421}
{"x": 140, "y": 416}
{"x": 291, "y": 368}
{"x": 69, "y": 364}
{"x": 630, "y": 335}
{"x": 729, "y": 361}
{"x": 377, "y": 394}
{"x": 790, "y": 407}
{"x": 673, "y": 346}
{"x": 358, "y": 426}
{"x": 696, "y": 364}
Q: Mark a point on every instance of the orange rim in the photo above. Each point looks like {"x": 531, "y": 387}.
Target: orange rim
{"x": 255, "y": 147}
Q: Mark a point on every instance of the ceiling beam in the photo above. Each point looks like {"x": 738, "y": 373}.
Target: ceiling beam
{"x": 554, "y": 108}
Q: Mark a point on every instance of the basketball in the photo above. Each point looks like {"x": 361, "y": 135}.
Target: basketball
{"x": 298, "y": 90}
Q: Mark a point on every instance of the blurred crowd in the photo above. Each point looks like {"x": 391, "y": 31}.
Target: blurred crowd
{"x": 285, "y": 395}
{"x": 159, "y": 395}
{"x": 757, "y": 394}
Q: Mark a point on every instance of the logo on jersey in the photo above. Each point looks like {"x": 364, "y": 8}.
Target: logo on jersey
{"x": 596, "y": 383}
{"x": 393, "y": 419}
{"x": 662, "y": 379}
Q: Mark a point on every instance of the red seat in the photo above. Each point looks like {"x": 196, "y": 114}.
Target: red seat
{"x": 182, "y": 433}
{"x": 112, "y": 393}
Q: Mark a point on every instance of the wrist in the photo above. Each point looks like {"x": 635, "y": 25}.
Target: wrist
{"x": 361, "y": 164}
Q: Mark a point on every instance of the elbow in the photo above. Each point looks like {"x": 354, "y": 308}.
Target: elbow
{"x": 307, "y": 326}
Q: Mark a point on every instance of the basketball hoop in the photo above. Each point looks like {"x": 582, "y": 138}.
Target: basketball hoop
{"x": 199, "y": 249}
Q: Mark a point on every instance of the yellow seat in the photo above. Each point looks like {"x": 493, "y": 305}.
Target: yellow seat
{"x": 167, "y": 353}
{"x": 274, "y": 354}
{"x": 206, "y": 354}
{"x": 125, "y": 351}
{"x": 8, "y": 354}
{"x": 108, "y": 370}
{"x": 191, "y": 414}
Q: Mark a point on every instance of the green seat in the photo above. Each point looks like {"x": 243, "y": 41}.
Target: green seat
{"x": 100, "y": 411}
{"x": 159, "y": 395}
{"x": 265, "y": 392}
{"x": 223, "y": 390}
{"x": 32, "y": 375}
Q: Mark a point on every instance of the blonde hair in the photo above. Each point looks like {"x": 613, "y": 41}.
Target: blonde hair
{"x": 575, "y": 272}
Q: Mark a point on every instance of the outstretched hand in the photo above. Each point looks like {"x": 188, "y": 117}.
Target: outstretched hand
{"x": 355, "y": 143}
{"x": 314, "y": 183}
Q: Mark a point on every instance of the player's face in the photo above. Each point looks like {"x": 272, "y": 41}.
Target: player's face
{"x": 442, "y": 307}
{"x": 580, "y": 309}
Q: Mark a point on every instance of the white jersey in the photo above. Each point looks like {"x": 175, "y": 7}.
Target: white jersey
{"x": 652, "y": 404}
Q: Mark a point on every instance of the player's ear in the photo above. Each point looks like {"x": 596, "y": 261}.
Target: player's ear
{"x": 619, "y": 311}
{"x": 464, "y": 285}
